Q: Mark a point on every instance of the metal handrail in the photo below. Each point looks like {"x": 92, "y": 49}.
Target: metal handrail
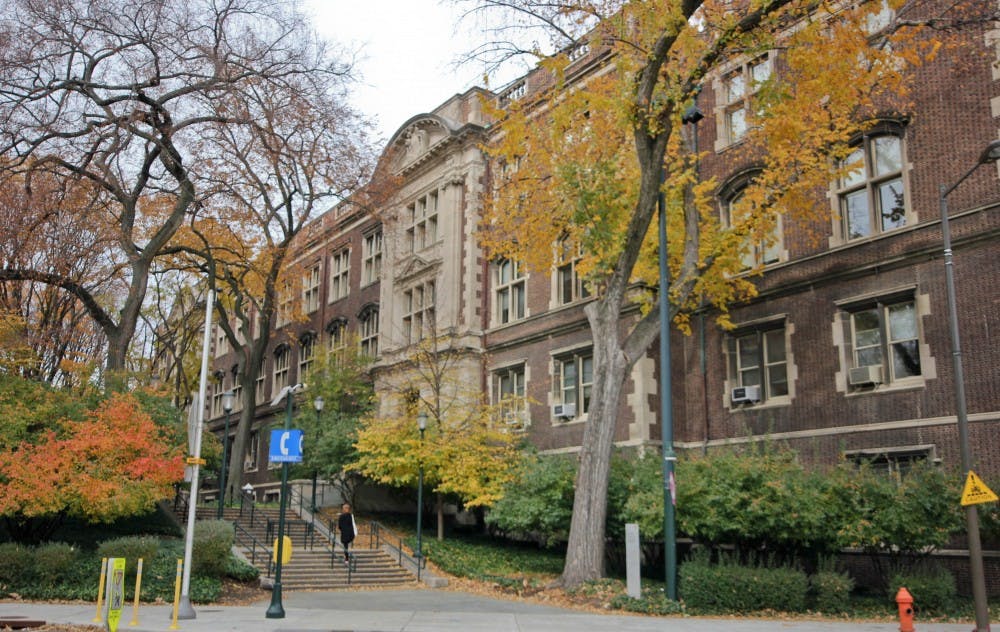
{"x": 394, "y": 541}
{"x": 242, "y": 534}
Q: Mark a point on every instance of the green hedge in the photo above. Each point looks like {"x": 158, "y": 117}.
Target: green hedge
{"x": 731, "y": 588}
{"x": 53, "y": 561}
{"x": 132, "y": 548}
{"x": 213, "y": 544}
{"x": 931, "y": 586}
{"x": 831, "y": 591}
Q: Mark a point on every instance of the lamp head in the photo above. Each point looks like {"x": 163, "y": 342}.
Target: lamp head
{"x": 319, "y": 403}
{"x": 991, "y": 153}
{"x": 692, "y": 115}
{"x": 227, "y": 401}
{"x": 422, "y": 421}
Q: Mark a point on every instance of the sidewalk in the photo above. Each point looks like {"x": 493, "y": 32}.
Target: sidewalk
{"x": 422, "y": 611}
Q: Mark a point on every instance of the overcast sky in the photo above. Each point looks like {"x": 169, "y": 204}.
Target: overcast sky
{"x": 408, "y": 52}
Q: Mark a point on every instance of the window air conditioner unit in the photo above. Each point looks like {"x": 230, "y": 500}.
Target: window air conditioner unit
{"x": 744, "y": 394}
{"x": 865, "y": 375}
{"x": 566, "y": 411}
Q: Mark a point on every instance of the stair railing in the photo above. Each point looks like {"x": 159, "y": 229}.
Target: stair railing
{"x": 379, "y": 535}
{"x": 247, "y": 499}
{"x": 247, "y": 540}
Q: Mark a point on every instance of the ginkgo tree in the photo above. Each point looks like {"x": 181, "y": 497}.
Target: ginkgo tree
{"x": 466, "y": 451}
{"x": 584, "y": 161}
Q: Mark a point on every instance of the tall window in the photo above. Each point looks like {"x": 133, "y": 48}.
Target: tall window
{"x": 574, "y": 379}
{"x": 340, "y": 274}
{"x": 221, "y": 342}
{"x": 310, "y": 289}
{"x": 508, "y": 292}
{"x": 755, "y": 252}
{"x": 737, "y": 90}
{"x": 422, "y": 231}
{"x": 569, "y": 285}
{"x": 759, "y": 359}
{"x": 307, "y": 355}
{"x": 508, "y": 393}
{"x": 885, "y": 340}
{"x": 372, "y": 257}
{"x": 368, "y": 321}
{"x": 250, "y": 458}
{"x": 338, "y": 339}
{"x": 418, "y": 315}
{"x": 259, "y": 395}
{"x": 870, "y": 193}
{"x": 284, "y": 315}
{"x": 281, "y": 359}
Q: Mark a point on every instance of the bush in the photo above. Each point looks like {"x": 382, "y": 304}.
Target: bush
{"x": 213, "y": 544}
{"x": 732, "y": 588}
{"x": 132, "y": 548}
{"x": 831, "y": 591}
{"x": 932, "y": 587}
{"x": 241, "y": 571}
{"x": 17, "y": 563}
{"x": 53, "y": 560}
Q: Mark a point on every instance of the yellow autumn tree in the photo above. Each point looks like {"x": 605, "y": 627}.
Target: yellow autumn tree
{"x": 466, "y": 450}
{"x": 583, "y": 162}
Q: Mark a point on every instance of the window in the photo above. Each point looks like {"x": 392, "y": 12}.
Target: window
{"x": 338, "y": 339}
{"x": 284, "y": 315}
{"x": 252, "y": 453}
{"x": 221, "y": 342}
{"x": 574, "y": 379}
{"x": 569, "y": 285}
{"x": 759, "y": 359}
{"x": 418, "y": 316}
{"x": 217, "y": 391}
{"x": 259, "y": 395}
{"x": 885, "y": 340}
{"x": 372, "y": 255}
{"x": 237, "y": 397}
{"x": 737, "y": 89}
{"x": 508, "y": 393}
{"x": 895, "y": 462}
{"x": 870, "y": 193}
{"x": 281, "y": 359}
{"x": 369, "y": 331}
{"x": 310, "y": 289}
{"x": 422, "y": 231}
{"x": 737, "y": 214}
{"x": 509, "y": 287}
{"x": 307, "y": 355}
{"x": 340, "y": 274}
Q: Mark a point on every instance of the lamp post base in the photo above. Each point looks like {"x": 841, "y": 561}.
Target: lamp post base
{"x": 184, "y": 609}
{"x": 275, "y": 610}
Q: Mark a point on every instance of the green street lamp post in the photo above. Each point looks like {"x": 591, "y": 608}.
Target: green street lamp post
{"x": 422, "y": 425}
{"x": 318, "y": 404}
{"x": 990, "y": 154}
{"x": 276, "y": 610}
{"x": 227, "y": 406}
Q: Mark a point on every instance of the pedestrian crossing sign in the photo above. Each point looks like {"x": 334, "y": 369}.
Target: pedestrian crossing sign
{"x": 976, "y": 491}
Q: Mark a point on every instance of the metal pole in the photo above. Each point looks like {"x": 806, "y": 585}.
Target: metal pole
{"x": 666, "y": 407}
{"x": 276, "y": 610}
{"x": 420, "y": 507}
{"x": 225, "y": 466}
{"x": 971, "y": 513}
{"x": 184, "y": 609}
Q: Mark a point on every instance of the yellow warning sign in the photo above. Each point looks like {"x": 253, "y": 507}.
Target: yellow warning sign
{"x": 286, "y": 550}
{"x": 115, "y": 592}
{"x": 976, "y": 491}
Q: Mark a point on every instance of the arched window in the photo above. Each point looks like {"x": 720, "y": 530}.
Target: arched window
{"x": 871, "y": 190}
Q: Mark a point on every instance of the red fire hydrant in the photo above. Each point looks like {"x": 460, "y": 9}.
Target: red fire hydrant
{"x": 905, "y": 602}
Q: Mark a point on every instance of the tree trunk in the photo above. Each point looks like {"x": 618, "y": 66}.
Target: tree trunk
{"x": 440, "y": 517}
{"x": 585, "y": 550}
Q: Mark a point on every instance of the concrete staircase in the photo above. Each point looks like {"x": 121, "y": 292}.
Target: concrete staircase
{"x": 315, "y": 565}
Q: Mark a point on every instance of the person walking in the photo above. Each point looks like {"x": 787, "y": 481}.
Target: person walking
{"x": 348, "y": 529}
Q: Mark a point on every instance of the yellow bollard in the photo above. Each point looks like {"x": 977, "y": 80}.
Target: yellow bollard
{"x": 100, "y": 589}
{"x": 177, "y": 593}
{"x": 135, "y": 605}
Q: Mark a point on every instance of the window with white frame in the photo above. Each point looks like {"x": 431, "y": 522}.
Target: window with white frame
{"x": 894, "y": 462}
{"x": 260, "y": 396}
{"x": 217, "y": 390}
{"x": 418, "y": 314}
{"x": 371, "y": 257}
{"x": 569, "y": 284}
{"x": 574, "y": 377}
{"x": 282, "y": 357}
{"x": 307, "y": 355}
{"x": 285, "y": 305}
{"x": 758, "y": 361}
{"x": 737, "y": 89}
{"x": 883, "y": 341}
{"x": 738, "y": 215}
{"x": 508, "y": 395}
{"x": 508, "y": 291}
{"x": 250, "y": 457}
{"x": 422, "y": 230}
{"x": 340, "y": 274}
{"x": 237, "y": 396}
{"x": 310, "y": 289}
{"x": 368, "y": 323}
{"x": 221, "y": 342}
{"x": 337, "y": 341}
{"x": 871, "y": 193}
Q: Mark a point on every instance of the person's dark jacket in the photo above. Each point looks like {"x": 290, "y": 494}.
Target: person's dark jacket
{"x": 345, "y": 522}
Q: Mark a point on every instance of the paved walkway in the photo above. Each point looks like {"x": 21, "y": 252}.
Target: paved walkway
{"x": 424, "y": 611}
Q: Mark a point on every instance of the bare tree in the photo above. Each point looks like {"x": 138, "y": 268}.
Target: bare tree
{"x": 123, "y": 94}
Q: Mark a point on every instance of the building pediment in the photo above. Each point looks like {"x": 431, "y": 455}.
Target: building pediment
{"x": 413, "y": 267}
